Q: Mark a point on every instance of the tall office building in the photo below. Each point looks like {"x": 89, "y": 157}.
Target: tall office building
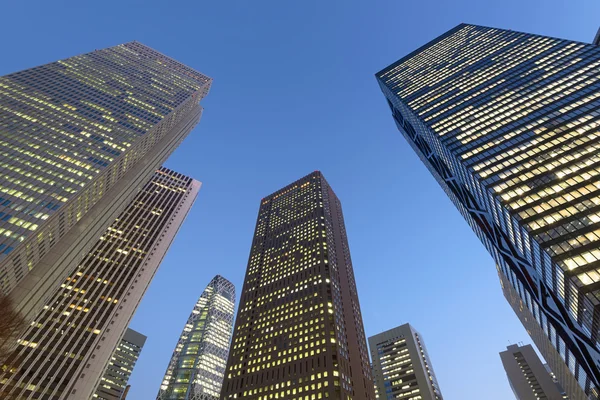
{"x": 507, "y": 122}
{"x": 299, "y": 332}
{"x": 527, "y": 376}
{"x": 401, "y": 365}
{"x": 78, "y": 139}
{"x": 197, "y": 366}
{"x": 65, "y": 350}
{"x": 113, "y": 385}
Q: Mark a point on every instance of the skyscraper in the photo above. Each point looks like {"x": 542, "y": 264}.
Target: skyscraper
{"x": 197, "y": 366}
{"x": 78, "y": 139}
{"x": 116, "y": 375}
{"x": 507, "y": 122}
{"x": 299, "y": 332}
{"x": 401, "y": 365}
{"x": 65, "y": 350}
{"x": 528, "y": 377}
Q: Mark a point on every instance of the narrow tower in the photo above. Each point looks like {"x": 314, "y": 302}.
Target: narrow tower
{"x": 197, "y": 366}
{"x": 299, "y": 331}
{"x": 113, "y": 385}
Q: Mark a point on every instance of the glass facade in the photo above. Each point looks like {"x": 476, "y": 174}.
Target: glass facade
{"x": 508, "y": 122}
{"x": 299, "y": 333}
{"x": 197, "y": 366}
{"x": 113, "y": 385}
{"x": 71, "y": 132}
{"x": 64, "y": 351}
{"x": 401, "y": 366}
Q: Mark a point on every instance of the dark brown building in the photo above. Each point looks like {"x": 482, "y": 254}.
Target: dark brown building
{"x": 299, "y": 333}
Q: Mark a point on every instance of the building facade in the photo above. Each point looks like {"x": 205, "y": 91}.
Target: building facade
{"x": 78, "y": 139}
{"x": 527, "y": 376}
{"x": 507, "y": 123}
{"x": 197, "y": 366}
{"x": 113, "y": 385}
{"x": 299, "y": 332}
{"x": 401, "y": 366}
{"x": 64, "y": 352}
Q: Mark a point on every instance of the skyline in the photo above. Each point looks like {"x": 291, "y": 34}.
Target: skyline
{"x": 377, "y": 156}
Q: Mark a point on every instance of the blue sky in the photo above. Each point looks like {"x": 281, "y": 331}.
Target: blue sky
{"x": 293, "y": 92}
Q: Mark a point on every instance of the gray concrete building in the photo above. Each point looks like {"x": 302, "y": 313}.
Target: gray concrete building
{"x": 113, "y": 385}
{"x": 79, "y": 138}
{"x": 64, "y": 352}
{"x": 401, "y": 366}
{"x": 528, "y": 377}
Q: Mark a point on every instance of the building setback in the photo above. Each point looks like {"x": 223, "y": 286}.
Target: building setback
{"x": 528, "y": 377}
{"x": 299, "y": 332}
{"x": 65, "y": 351}
{"x": 78, "y": 139}
{"x": 401, "y": 365}
{"x": 507, "y": 122}
{"x": 197, "y": 366}
{"x": 113, "y": 385}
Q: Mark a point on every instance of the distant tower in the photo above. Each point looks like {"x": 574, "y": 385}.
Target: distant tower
{"x": 402, "y": 367}
{"x": 113, "y": 385}
{"x": 299, "y": 330}
{"x": 197, "y": 366}
{"x": 64, "y": 352}
{"x": 528, "y": 377}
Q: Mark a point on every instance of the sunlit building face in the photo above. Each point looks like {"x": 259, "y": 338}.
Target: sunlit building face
{"x": 197, "y": 366}
{"x": 299, "y": 333}
{"x": 508, "y": 123}
{"x": 70, "y": 132}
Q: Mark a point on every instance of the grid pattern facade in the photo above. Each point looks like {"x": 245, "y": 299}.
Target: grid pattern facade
{"x": 508, "y": 124}
{"x": 528, "y": 377}
{"x": 70, "y": 131}
{"x": 299, "y": 332}
{"x": 117, "y": 373}
{"x": 197, "y": 367}
{"x": 64, "y": 351}
{"x": 401, "y": 366}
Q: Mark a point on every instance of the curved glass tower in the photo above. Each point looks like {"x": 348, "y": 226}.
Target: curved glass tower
{"x": 197, "y": 366}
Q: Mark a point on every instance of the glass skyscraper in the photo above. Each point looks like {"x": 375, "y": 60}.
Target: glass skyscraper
{"x": 197, "y": 366}
{"x": 63, "y": 354}
{"x": 508, "y": 123}
{"x": 113, "y": 385}
{"x": 78, "y": 139}
{"x": 299, "y": 333}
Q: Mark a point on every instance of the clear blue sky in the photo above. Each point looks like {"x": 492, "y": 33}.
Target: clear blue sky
{"x": 294, "y": 91}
